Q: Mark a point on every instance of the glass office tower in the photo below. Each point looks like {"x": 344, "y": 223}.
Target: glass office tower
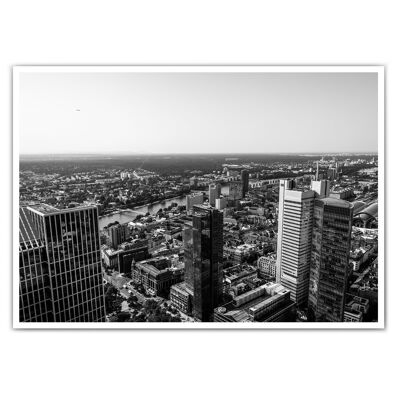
{"x": 329, "y": 259}
{"x": 207, "y": 252}
{"x": 70, "y": 264}
{"x": 34, "y": 282}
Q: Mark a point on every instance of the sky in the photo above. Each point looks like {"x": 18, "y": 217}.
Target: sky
{"x": 132, "y": 112}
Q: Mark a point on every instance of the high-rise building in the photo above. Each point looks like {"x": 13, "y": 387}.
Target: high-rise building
{"x": 193, "y": 199}
{"x": 35, "y": 303}
{"x": 220, "y": 203}
{"x": 321, "y": 188}
{"x": 214, "y": 192}
{"x": 203, "y": 246}
{"x": 332, "y": 174}
{"x": 295, "y": 222}
{"x": 329, "y": 259}
{"x": 235, "y": 190}
{"x": 60, "y": 265}
{"x": 117, "y": 234}
{"x": 245, "y": 182}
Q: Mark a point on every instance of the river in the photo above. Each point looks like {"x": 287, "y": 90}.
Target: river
{"x": 130, "y": 214}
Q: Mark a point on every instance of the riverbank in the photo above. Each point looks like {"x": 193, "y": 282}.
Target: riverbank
{"x": 129, "y": 214}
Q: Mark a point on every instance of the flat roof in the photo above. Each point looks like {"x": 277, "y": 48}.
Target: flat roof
{"x": 331, "y": 201}
{"x": 46, "y": 209}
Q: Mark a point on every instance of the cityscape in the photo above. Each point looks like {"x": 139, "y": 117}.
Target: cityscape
{"x": 198, "y": 197}
{"x": 199, "y": 238}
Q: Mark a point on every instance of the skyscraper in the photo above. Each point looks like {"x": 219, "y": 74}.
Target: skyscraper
{"x": 245, "y": 181}
{"x": 321, "y": 188}
{"x": 60, "y": 265}
{"x": 329, "y": 259}
{"x": 295, "y": 221}
{"x": 214, "y": 192}
{"x": 203, "y": 245}
{"x": 235, "y": 190}
{"x": 35, "y": 303}
{"x": 191, "y": 200}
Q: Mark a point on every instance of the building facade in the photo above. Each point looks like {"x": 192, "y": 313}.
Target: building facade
{"x": 203, "y": 256}
{"x": 235, "y": 190}
{"x": 214, "y": 192}
{"x": 157, "y": 275}
{"x": 117, "y": 234}
{"x": 267, "y": 266}
{"x": 193, "y": 199}
{"x": 329, "y": 259}
{"x": 65, "y": 262}
{"x": 245, "y": 182}
{"x": 295, "y": 224}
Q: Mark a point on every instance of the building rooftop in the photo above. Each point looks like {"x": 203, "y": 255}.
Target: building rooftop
{"x": 43, "y": 208}
{"x": 358, "y": 206}
{"x": 46, "y": 209}
{"x": 331, "y": 201}
{"x": 370, "y": 211}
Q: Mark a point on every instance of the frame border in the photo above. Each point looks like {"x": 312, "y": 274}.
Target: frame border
{"x": 382, "y": 273}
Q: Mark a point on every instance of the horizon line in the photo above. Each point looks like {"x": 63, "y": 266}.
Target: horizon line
{"x": 197, "y": 153}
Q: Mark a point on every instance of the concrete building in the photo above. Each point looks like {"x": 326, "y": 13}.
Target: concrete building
{"x": 117, "y": 234}
{"x": 239, "y": 253}
{"x": 267, "y": 303}
{"x": 321, "y": 188}
{"x": 121, "y": 260}
{"x": 267, "y": 266}
{"x": 181, "y": 298}
{"x": 214, "y": 192}
{"x": 235, "y": 190}
{"x": 295, "y": 223}
{"x": 193, "y": 199}
{"x": 220, "y": 203}
{"x": 157, "y": 275}
{"x": 356, "y": 309}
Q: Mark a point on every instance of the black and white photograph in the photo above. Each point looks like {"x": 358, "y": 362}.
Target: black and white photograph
{"x": 198, "y": 197}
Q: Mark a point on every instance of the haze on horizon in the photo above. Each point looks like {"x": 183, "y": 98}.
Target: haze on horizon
{"x": 202, "y": 113}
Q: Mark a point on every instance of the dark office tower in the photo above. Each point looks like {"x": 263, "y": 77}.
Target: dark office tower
{"x": 206, "y": 275}
{"x": 188, "y": 256}
{"x": 69, "y": 264}
{"x": 329, "y": 259}
{"x": 245, "y": 181}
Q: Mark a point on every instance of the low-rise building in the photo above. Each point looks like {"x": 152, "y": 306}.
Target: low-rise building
{"x": 266, "y": 303}
{"x": 355, "y": 309}
{"x": 267, "y": 266}
{"x": 157, "y": 275}
{"x": 239, "y": 253}
{"x": 181, "y": 297}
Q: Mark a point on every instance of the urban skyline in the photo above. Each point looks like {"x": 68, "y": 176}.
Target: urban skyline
{"x": 199, "y": 198}
{"x": 162, "y": 262}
